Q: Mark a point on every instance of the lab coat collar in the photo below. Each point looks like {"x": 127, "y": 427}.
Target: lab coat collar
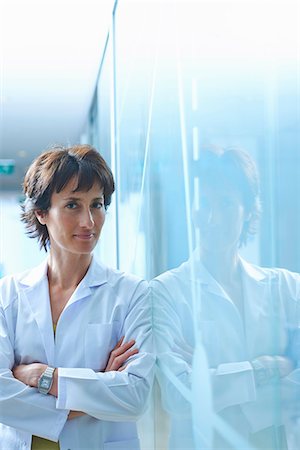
{"x": 198, "y": 271}
{"x": 96, "y": 275}
{"x": 199, "y": 274}
{"x": 255, "y": 272}
{"x": 34, "y": 276}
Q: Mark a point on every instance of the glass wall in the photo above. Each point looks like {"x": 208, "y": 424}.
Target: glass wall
{"x": 191, "y": 98}
{"x": 179, "y": 83}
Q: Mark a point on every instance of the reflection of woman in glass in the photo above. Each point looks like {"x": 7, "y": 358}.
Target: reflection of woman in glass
{"x": 68, "y": 368}
{"x": 247, "y": 315}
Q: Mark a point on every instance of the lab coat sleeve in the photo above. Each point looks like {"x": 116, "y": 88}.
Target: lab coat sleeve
{"x": 21, "y": 406}
{"x": 276, "y": 403}
{"x": 174, "y": 354}
{"x": 114, "y": 395}
{"x": 280, "y": 402}
{"x": 232, "y": 383}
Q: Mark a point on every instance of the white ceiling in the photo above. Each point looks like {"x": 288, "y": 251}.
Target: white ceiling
{"x": 50, "y": 55}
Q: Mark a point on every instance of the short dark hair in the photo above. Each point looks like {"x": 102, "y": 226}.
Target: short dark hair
{"x": 238, "y": 167}
{"x": 51, "y": 171}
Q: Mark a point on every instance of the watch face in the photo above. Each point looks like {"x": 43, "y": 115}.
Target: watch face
{"x": 45, "y": 382}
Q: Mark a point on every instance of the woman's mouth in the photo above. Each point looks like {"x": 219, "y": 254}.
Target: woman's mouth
{"x": 85, "y": 236}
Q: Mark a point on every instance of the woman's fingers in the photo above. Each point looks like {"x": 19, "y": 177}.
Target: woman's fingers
{"x": 126, "y": 356}
{"x": 119, "y": 360}
{"x": 120, "y": 354}
{"x": 122, "y": 358}
{"x": 119, "y": 343}
{"x": 122, "y": 348}
{"x": 111, "y": 355}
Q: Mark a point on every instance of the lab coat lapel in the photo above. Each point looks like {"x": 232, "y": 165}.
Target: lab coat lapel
{"x": 259, "y": 289}
{"x": 211, "y": 296}
{"x": 200, "y": 275}
{"x": 36, "y": 293}
{"x": 219, "y": 318}
{"x": 80, "y": 293}
{"x": 224, "y": 302}
{"x": 95, "y": 276}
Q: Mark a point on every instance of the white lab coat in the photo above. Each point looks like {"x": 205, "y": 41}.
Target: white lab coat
{"x": 271, "y": 327}
{"x": 106, "y": 305}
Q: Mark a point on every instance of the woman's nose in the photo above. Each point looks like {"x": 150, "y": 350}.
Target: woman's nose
{"x": 86, "y": 219}
{"x": 213, "y": 217}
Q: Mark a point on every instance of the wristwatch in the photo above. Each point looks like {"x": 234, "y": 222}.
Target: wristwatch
{"x": 46, "y": 380}
{"x": 263, "y": 374}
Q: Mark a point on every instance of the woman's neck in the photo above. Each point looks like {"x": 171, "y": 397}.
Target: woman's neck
{"x": 67, "y": 270}
{"x": 223, "y": 266}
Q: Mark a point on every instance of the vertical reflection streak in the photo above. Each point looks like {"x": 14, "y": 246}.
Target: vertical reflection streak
{"x": 272, "y": 139}
{"x": 1, "y": 130}
{"x": 1, "y": 82}
{"x": 194, "y": 95}
{"x": 184, "y": 391}
{"x": 201, "y": 411}
{"x": 196, "y": 194}
{"x": 146, "y": 152}
{"x": 195, "y": 143}
{"x": 187, "y": 194}
{"x": 115, "y": 143}
{"x": 230, "y": 434}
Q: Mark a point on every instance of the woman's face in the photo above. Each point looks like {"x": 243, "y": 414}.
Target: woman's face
{"x": 221, "y": 216}
{"x": 75, "y": 219}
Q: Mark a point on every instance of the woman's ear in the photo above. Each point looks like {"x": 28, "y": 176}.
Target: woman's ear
{"x": 41, "y": 216}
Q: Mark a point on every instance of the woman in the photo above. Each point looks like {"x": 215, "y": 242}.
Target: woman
{"x": 59, "y": 378}
{"x": 248, "y": 317}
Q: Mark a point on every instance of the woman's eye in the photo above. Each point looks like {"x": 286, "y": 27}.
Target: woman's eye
{"x": 98, "y": 205}
{"x": 71, "y": 205}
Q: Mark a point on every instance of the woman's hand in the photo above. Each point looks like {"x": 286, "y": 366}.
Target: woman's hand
{"x": 119, "y": 355}
{"x": 268, "y": 368}
{"x": 29, "y": 373}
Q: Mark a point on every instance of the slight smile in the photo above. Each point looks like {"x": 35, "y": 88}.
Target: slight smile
{"x": 85, "y": 236}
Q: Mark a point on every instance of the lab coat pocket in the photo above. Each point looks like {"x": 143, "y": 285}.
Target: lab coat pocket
{"x": 131, "y": 444}
{"x": 100, "y": 339}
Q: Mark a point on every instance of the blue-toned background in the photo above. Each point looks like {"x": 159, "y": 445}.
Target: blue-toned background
{"x": 176, "y": 77}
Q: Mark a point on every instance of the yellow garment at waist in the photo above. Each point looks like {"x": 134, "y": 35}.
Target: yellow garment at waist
{"x": 43, "y": 444}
